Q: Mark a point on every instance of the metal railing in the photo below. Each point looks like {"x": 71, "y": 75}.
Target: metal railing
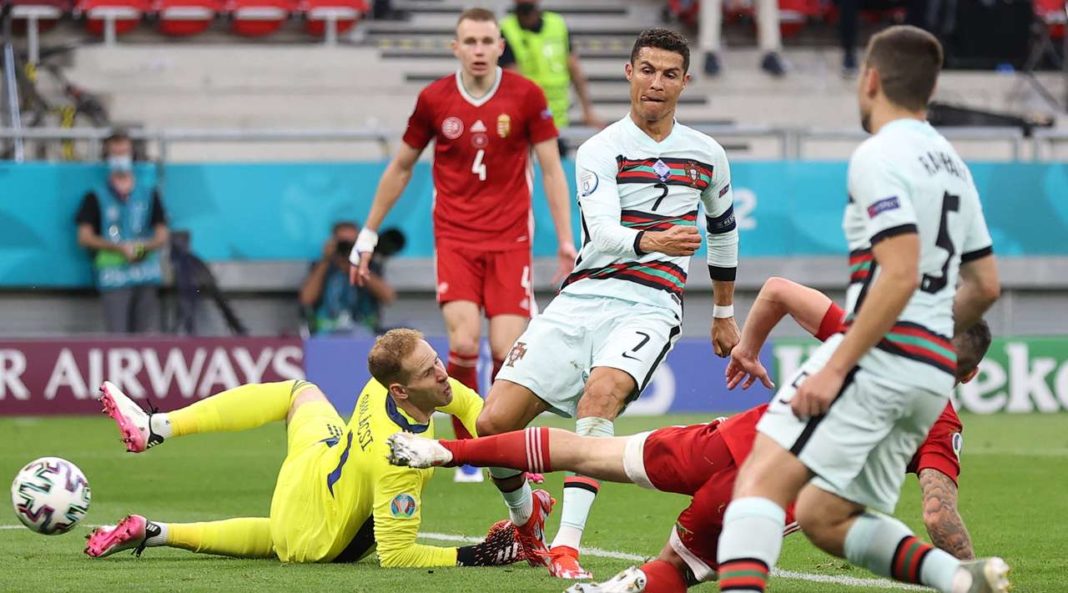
{"x": 164, "y": 138}
{"x": 792, "y": 142}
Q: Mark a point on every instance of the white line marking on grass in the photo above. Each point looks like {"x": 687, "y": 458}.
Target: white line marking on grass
{"x": 598, "y": 552}
{"x": 782, "y": 574}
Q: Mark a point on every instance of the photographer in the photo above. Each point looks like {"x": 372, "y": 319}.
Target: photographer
{"x": 332, "y": 305}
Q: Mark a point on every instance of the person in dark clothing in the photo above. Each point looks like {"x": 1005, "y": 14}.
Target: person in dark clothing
{"x": 122, "y": 223}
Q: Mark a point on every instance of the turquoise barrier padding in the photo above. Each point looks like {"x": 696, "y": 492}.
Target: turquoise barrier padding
{"x": 283, "y": 211}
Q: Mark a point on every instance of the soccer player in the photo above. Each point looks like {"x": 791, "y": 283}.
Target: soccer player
{"x": 937, "y": 462}
{"x": 598, "y": 343}
{"x": 336, "y": 497}
{"x": 484, "y": 122}
{"x": 702, "y": 460}
{"x": 914, "y": 226}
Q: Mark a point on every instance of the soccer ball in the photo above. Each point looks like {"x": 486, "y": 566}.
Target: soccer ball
{"x": 50, "y": 495}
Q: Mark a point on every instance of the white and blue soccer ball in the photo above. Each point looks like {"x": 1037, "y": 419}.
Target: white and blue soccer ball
{"x": 50, "y": 495}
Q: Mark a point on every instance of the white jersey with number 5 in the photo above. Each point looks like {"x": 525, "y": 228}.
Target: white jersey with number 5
{"x": 908, "y": 178}
{"x": 629, "y": 184}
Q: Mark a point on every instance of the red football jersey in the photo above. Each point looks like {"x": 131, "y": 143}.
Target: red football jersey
{"x": 739, "y": 432}
{"x": 482, "y": 168}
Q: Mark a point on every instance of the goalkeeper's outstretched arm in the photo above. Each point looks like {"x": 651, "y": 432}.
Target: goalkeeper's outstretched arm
{"x": 397, "y": 515}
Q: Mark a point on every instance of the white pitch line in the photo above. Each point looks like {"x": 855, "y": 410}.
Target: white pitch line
{"x": 599, "y": 553}
{"x": 783, "y": 574}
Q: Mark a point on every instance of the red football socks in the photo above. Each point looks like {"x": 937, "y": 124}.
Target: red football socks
{"x": 524, "y": 450}
{"x": 464, "y": 368}
{"x": 662, "y": 578}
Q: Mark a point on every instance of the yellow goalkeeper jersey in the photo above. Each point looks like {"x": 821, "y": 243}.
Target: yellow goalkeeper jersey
{"x": 352, "y": 482}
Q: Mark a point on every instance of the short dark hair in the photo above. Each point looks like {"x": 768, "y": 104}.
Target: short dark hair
{"x": 344, "y": 224}
{"x": 908, "y": 60}
{"x": 665, "y": 39}
{"x": 117, "y": 135}
{"x": 971, "y": 347}
{"x": 477, "y": 14}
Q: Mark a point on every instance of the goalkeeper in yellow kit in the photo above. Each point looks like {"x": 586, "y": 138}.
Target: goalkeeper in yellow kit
{"x": 336, "y": 498}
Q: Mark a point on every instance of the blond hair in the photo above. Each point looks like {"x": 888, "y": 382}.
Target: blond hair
{"x": 387, "y": 355}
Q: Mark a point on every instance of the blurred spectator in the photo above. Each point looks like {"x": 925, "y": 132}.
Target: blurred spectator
{"x": 122, "y": 223}
{"x": 769, "y": 38}
{"x": 382, "y": 10}
{"x": 330, "y": 303}
{"x": 539, "y": 46}
{"x": 919, "y": 13}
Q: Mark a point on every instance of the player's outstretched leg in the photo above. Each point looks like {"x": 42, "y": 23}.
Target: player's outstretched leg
{"x": 132, "y": 533}
{"x": 135, "y": 424}
{"x": 240, "y": 408}
{"x": 239, "y": 538}
{"x": 523, "y": 450}
{"x": 887, "y": 547}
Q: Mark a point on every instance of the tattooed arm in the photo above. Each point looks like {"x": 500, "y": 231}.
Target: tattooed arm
{"x": 940, "y": 515}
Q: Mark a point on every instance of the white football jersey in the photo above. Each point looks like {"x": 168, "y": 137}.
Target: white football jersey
{"x": 908, "y": 178}
{"x": 629, "y": 184}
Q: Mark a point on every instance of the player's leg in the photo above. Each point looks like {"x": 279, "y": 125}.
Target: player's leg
{"x": 542, "y": 372}
{"x": 832, "y": 515}
{"x": 460, "y": 295}
{"x": 460, "y": 274}
{"x": 240, "y": 538}
{"x": 504, "y": 330}
{"x": 689, "y": 557}
{"x": 462, "y": 323}
{"x": 315, "y": 486}
{"x": 509, "y": 300}
{"x": 535, "y": 449}
{"x": 631, "y": 342}
{"x": 773, "y": 474}
{"x": 240, "y": 408}
{"x": 606, "y": 393}
{"x": 752, "y": 533}
{"x": 510, "y": 407}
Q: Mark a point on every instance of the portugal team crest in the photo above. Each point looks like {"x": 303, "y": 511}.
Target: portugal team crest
{"x": 402, "y": 506}
{"x": 504, "y": 125}
{"x": 452, "y": 128}
{"x": 518, "y": 351}
{"x": 691, "y": 171}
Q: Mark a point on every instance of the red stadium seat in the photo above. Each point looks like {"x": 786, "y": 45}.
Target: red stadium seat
{"x": 108, "y": 18}
{"x": 256, "y": 18}
{"x": 182, "y": 18}
{"x": 338, "y": 15}
{"x": 45, "y": 13}
{"x": 794, "y": 14}
{"x": 1052, "y": 13}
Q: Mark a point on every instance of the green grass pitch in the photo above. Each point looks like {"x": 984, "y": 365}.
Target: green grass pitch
{"x": 1012, "y": 497}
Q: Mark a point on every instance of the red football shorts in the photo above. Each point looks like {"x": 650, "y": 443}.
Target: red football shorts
{"x": 497, "y": 281}
{"x": 691, "y": 460}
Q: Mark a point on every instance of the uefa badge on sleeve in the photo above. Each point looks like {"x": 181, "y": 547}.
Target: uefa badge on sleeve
{"x": 587, "y": 183}
{"x": 402, "y": 506}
